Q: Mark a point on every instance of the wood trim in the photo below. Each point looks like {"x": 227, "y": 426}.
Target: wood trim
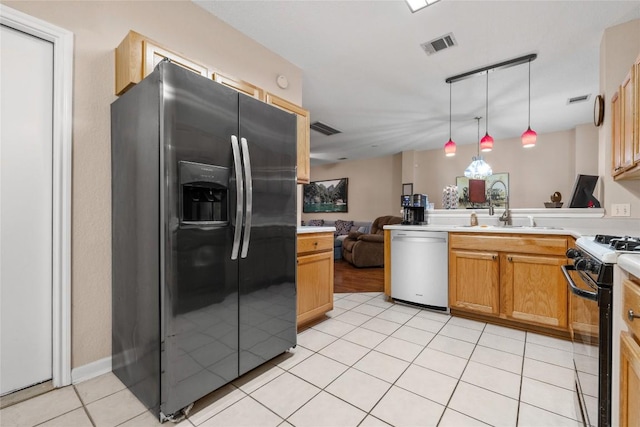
{"x": 387, "y": 263}
{"x": 151, "y": 50}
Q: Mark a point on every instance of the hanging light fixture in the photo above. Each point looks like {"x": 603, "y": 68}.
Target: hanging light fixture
{"x": 450, "y": 146}
{"x": 486, "y": 144}
{"x": 478, "y": 169}
{"x": 529, "y": 136}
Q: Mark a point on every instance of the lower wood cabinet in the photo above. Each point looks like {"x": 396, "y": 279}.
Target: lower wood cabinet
{"x": 315, "y": 275}
{"x": 629, "y": 381}
{"x": 514, "y": 278}
{"x": 474, "y": 281}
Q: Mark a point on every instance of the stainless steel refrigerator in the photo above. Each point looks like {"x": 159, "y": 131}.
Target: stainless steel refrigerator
{"x": 203, "y": 237}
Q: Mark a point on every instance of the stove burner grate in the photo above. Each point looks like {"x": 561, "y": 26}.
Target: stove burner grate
{"x": 625, "y": 243}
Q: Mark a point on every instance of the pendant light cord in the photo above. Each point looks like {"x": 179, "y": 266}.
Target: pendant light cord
{"x": 529, "y": 122}
{"x": 478, "y": 119}
{"x": 450, "y": 111}
{"x": 486, "y": 121}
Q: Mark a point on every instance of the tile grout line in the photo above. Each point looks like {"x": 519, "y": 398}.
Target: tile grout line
{"x": 84, "y": 407}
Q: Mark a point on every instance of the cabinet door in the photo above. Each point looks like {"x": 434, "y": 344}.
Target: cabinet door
{"x": 239, "y": 85}
{"x": 616, "y": 136}
{"x": 474, "y": 281}
{"x": 534, "y": 289}
{"x": 629, "y": 381}
{"x": 628, "y": 122}
{"x": 636, "y": 97}
{"x": 304, "y": 121}
{"x": 315, "y": 285}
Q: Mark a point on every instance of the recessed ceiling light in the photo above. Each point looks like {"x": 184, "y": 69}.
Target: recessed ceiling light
{"x": 416, "y": 5}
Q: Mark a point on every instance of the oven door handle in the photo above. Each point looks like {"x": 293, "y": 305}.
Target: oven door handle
{"x": 574, "y": 289}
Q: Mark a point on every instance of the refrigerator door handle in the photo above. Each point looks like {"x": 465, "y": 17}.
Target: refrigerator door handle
{"x": 235, "y": 147}
{"x": 249, "y": 186}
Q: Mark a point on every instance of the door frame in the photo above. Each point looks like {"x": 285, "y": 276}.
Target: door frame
{"x": 62, "y": 167}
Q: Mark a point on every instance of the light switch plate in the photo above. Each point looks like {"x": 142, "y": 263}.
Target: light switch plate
{"x": 620, "y": 209}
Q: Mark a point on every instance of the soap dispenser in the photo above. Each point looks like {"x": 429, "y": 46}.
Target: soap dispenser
{"x": 474, "y": 219}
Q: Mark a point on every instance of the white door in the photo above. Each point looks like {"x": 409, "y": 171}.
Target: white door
{"x": 26, "y": 181}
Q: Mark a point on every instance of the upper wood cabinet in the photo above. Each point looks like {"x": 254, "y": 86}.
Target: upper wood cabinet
{"x": 239, "y": 85}
{"x": 137, "y": 56}
{"x": 304, "y": 121}
{"x": 625, "y": 127}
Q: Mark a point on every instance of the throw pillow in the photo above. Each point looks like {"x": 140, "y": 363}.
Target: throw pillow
{"x": 315, "y": 222}
{"x": 343, "y": 227}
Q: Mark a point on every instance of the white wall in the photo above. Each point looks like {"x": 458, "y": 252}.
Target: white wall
{"x": 98, "y": 27}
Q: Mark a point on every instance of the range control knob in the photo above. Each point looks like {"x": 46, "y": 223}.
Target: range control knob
{"x": 584, "y": 264}
{"x": 573, "y": 253}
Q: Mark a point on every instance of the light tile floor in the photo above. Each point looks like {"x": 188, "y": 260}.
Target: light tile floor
{"x": 372, "y": 363}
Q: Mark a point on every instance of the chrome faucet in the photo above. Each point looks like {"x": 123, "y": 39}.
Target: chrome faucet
{"x": 506, "y": 215}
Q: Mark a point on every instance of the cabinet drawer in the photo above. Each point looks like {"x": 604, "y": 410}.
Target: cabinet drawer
{"x": 315, "y": 242}
{"x": 522, "y": 243}
{"x": 631, "y": 301}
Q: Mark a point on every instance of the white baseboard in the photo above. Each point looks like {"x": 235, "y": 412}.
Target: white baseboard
{"x": 90, "y": 370}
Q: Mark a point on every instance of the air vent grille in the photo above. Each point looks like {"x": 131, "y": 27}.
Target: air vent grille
{"x": 578, "y": 99}
{"x": 441, "y": 43}
{"x": 324, "y": 129}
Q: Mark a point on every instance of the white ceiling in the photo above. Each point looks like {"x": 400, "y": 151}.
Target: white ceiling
{"x": 366, "y": 74}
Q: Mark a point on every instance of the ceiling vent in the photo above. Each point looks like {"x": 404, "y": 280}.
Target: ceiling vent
{"x": 576, "y": 99}
{"x": 324, "y": 129}
{"x": 441, "y": 43}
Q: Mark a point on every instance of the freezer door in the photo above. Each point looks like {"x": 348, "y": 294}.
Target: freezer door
{"x": 199, "y": 278}
{"x": 268, "y": 250}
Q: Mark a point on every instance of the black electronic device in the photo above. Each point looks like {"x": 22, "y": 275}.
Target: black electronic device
{"x": 582, "y": 194}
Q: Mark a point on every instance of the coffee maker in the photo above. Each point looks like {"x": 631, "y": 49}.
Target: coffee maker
{"x": 413, "y": 208}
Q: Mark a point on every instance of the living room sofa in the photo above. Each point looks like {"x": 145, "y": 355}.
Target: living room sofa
{"x": 367, "y": 249}
{"x": 343, "y": 228}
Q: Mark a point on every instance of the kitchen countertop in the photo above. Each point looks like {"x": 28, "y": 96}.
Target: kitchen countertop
{"x": 630, "y": 263}
{"x": 486, "y": 229}
{"x": 310, "y": 229}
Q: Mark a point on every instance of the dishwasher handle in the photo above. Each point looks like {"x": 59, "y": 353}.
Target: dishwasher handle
{"x": 418, "y": 239}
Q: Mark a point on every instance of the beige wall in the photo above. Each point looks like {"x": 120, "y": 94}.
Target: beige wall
{"x": 374, "y": 187}
{"x": 619, "y": 47}
{"x": 98, "y": 28}
{"x": 534, "y": 174}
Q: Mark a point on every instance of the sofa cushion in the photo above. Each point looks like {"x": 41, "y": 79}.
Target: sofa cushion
{"x": 342, "y": 227}
{"x": 315, "y": 222}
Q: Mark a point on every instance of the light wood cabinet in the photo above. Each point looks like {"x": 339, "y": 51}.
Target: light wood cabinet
{"x": 239, "y": 85}
{"x": 534, "y": 289}
{"x": 315, "y": 275}
{"x": 304, "y": 136}
{"x": 474, "y": 281}
{"x": 630, "y": 356}
{"x": 137, "y": 56}
{"x": 515, "y": 278}
{"x": 625, "y": 127}
{"x": 629, "y": 380}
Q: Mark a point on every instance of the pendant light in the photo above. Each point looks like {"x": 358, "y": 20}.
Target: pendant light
{"x": 529, "y": 136}
{"x": 478, "y": 169}
{"x": 486, "y": 144}
{"x": 450, "y": 146}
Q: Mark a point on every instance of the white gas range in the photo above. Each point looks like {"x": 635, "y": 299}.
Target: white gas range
{"x": 606, "y": 248}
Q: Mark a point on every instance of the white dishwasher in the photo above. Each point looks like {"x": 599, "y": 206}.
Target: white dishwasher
{"x": 420, "y": 268}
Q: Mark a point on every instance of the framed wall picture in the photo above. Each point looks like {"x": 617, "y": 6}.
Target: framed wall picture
{"x": 407, "y": 189}
{"x": 325, "y": 196}
{"x": 476, "y": 194}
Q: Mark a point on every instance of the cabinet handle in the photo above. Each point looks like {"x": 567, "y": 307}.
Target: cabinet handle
{"x": 494, "y": 257}
{"x": 631, "y": 315}
{"x": 510, "y": 259}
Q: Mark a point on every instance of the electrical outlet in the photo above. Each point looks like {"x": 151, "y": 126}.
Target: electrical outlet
{"x": 620, "y": 209}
